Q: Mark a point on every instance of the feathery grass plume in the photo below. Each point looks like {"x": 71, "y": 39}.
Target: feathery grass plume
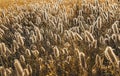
{"x": 59, "y": 39}
{"x": 29, "y": 69}
{"x": 89, "y": 20}
{"x": 119, "y": 37}
{"x": 42, "y": 49}
{"x": 21, "y": 41}
{"x": 38, "y": 20}
{"x": 56, "y": 52}
{"x": 110, "y": 55}
{"x": 98, "y": 61}
{"x": 89, "y": 36}
{"x": 51, "y": 59}
{"x": 33, "y": 47}
{"x": 54, "y": 19}
{"x": 80, "y": 19}
{"x": 17, "y": 25}
{"x": 99, "y": 23}
{"x": 65, "y": 16}
{"x": 82, "y": 60}
{"x": 101, "y": 39}
{"x": 38, "y": 33}
{"x": 80, "y": 13}
{"x": 33, "y": 38}
{"x": 93, "y": 18}
{"x": 1, "y": 67}
{"x": 3, "y": 27}
{"x": 86, "y": 26}
{"x": 105, "y": 16}
{"x": 64, "y": 51}
{"x": 77, "y": 52}
{"x": 18, "y": 68}
{"x": 66, "y": 45}
{"x": 15, "y": 46}
{"x": 78, "y": 37}
{"x": 69, "y": 58}
{"x": 119, "y": 65}
{"x": 20, "y": 30}
{"x": 75, "y": 21}
{"x": 55, "y": 38}
{"x": 48, "y": 43}
{"x": 19, "y": 38}
{"x": 52, "y": 23}
{"x": 67, "y": 34}
{"x": 71, "y": 34}
{"x": 3, "y": 13}
{"x": 96, "y": 2}
{"x": 106, "y": 41}
{"x": 26, "y": 72}
{"x": 42, "y": 31}
{"x": 77, "y": 29}
{"x": 22, "y": 58}
{"x": 3, "y": 72}
{"x": 45, "y": 15}
{"x": 114, "y": 37}
{"x": 30, "y": 23}
{"x": 94, "y": 44}
{"x": 2, "y": 31}
{"x": 28, "y": 53}
{"x": 109, "y": 31}
{"x": 107, "y": 2}
{"x": 97, "y": 66}
{"x": 60, "y": 26}
{"x": 91, "y": 28}
{"x": 8, "y": 71}
{"x": 40, "y": 60}
{"x": 115, "y": 28}
{"x": 2, "y": 48}
{"x": 35, "y": 53}
{"x": 8, "y": 51}
{"x": 1, "y": 20}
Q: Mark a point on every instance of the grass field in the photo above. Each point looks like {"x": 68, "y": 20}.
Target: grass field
{"x": 59, "y": 38}
{"x": 6, "y": 3}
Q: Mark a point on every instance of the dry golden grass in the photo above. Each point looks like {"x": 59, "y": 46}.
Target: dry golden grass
{"x": 52, "y": 38}
{"x": 6, "y": 3}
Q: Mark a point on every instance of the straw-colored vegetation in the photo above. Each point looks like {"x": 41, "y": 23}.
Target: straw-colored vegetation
{"x": 60, "y": 38}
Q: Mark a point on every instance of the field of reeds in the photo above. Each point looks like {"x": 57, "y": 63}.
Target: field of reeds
{"x": 60, "y": 38}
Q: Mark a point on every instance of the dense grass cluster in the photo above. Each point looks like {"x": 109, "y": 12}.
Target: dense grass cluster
{"x": 50, "y": 40}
